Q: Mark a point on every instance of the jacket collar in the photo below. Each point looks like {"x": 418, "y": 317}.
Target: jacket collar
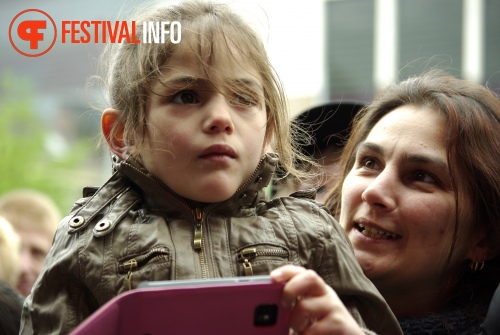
{"x": 160, "y": 194}
{"x": 109, "y": 204}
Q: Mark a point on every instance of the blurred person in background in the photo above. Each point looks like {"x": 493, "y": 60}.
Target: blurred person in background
{"x": 322, "y": 132}
{"x": 34, "y": 216}
{"x": 9, "y": 253}
{"x": 11, "y": 305}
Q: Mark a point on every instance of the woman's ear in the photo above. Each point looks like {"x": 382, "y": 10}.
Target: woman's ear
{"x": 482, "y": 252}
{"x": 110, "y": 120}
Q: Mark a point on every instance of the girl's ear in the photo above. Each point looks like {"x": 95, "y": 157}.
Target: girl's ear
{"x": 110, "y": 120}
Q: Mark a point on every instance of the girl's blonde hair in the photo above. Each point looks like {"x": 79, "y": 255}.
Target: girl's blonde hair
{"x": 215, "y": 34}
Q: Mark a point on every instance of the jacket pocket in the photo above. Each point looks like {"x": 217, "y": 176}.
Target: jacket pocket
{"x": 138, "y": 268}
{"x": 260, "y": 259}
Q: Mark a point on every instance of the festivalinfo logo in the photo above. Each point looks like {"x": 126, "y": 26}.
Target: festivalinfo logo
{"x": 32, "y": 32}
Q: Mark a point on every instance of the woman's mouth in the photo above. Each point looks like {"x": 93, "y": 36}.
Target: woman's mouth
{"x": 376, "y": 233}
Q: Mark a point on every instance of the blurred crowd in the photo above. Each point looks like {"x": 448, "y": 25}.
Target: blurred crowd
{"x": 28, "y": 221}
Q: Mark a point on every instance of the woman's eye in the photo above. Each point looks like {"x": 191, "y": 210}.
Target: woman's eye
{"x": 424, "y": 177}
{"x": 185, "y": 97}
{"x": 370, "y": 163}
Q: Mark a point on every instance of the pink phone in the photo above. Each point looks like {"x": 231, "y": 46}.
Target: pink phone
{"x": 221, "y": 306}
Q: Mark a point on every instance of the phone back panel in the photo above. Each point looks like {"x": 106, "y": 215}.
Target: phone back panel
{"x": 231, "y": 308}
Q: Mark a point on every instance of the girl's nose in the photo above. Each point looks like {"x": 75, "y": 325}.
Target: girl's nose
{"x": 219, "y": 118}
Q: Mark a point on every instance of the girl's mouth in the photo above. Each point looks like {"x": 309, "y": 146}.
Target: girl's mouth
{"x": 376, "y": 233}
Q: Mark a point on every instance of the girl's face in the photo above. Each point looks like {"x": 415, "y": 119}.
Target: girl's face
{"x": 398, "y": 206}
{"x": 201, "y": 141}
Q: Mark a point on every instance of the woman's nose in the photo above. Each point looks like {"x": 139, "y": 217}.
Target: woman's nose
{"x": 381, "y": 192}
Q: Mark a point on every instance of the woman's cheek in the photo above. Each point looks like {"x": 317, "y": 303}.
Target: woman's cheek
{"x": 351, "y": 196}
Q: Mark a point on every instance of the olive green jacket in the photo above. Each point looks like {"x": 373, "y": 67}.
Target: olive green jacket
{"x": 134, "y": 229}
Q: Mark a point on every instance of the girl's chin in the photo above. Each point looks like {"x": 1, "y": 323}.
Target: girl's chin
{"x": 211, "y": 196}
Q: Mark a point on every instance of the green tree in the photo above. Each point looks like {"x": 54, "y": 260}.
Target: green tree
{"x": 25, "y": 161}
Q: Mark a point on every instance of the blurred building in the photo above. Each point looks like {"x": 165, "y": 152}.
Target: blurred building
{"x": 322, "y": 50}
{"x": 371, "y": 43}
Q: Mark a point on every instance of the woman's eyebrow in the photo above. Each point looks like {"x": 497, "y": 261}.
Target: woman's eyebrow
{"x": 428, "y": 160}
{"x": 412, "y": 158}
{"x": 370, "y": 146}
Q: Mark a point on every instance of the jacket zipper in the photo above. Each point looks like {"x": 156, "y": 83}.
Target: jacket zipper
{"x": 136, "y": 263}
{"x": 198, "y": 241}
{"x": 247, "y": 254}
{"x": 199, "y": 215}
{"x": 252, "y": 177}
{"x": 198, "y": 232}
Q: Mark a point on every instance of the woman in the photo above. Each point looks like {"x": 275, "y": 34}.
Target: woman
{"x": 420, "y": 201}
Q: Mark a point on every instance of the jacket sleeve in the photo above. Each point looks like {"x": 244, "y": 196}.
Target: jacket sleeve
{"x": 333, "y": 259}
{"x": 58, "y": 301}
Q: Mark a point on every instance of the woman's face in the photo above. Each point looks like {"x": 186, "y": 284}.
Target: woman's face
{"x": 398, "y": 206}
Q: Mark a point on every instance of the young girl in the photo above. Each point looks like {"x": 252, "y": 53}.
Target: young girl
{"x": 192, "y": 127}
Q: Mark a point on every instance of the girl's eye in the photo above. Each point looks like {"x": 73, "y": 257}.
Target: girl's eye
{"x": 424, "y": 177}
{"x": 185, "y": 97}
{"x": 243, "y": 100}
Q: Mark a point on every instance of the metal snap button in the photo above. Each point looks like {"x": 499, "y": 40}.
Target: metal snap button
{"x": 76, "y": 222}
{"x": 102, "y": 226}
